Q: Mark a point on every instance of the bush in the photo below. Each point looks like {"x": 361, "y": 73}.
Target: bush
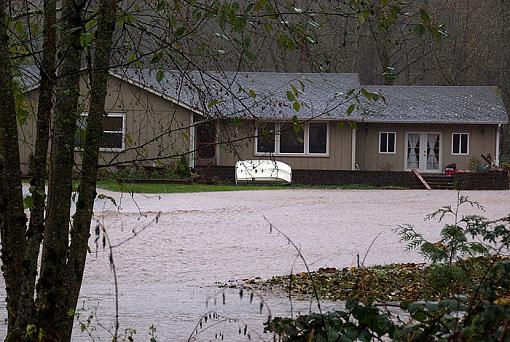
{"x": 481, "y": 314}
{"x": 475, "y": 164}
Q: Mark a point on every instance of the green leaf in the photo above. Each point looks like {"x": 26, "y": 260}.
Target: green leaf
{"x": 297, "y": 106}
{"x": 106, "y": 197}
{"x": 425, "y": 18}
{"x": 294, "y": 90}
{"x": 160, "y": 75}
{"x": 22, "y": 115}
{"x": 252, "y": 93}
{"x": 213, "y": 103}
{"x": 161, "y": 5}
{"x": 20, "y": 29}
{"x": 179, "y": 31}
{"x": 302, "y": 86}
{"x": 28, "y": 202}
{"x": 291, "y": 96}
{"x": 351, "y": 109}
{"x": 86, "y": 39}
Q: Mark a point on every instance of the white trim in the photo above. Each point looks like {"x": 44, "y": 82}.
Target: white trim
{"x": 191, "y": 159}
{"x": 424, "y": 133}
{"x": 306, "y": 139}
{"x": 353, "y": 148}
{"x": 460, "y": 144}
{"x": 387, "y": 141}
{"x": 113, "y": 149}
{"x": 498, "y": 137}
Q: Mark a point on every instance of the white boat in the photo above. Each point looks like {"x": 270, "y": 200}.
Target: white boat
{"x": 263, "y": 171}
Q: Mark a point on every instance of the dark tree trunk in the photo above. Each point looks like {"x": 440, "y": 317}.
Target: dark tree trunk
{"x": 51, "y": 305}
{"x": 80, "y": 232}
{"x": 38, "y": 182}
{"x": 12, "y": 215}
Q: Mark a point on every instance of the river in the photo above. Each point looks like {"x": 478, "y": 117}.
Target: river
{"x": 167, "y": 272}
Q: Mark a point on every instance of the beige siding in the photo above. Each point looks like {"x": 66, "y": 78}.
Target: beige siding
{"x": 339, "y": 148}
{"x": 154, "y": 127}
{"x": 482, "y": 140}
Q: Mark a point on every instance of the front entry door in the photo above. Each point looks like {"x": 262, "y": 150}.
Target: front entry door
{"x": 423, "y": 151}
{"x": 205, "y": 144}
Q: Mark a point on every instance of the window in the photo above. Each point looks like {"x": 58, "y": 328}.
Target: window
{"x": 387, "y": 142}
{"x": 284, "y": 138}
{"x": 292, "y": 139}
{"x": 113, "y": 131}
{"x": 317, "y": 137}
{"x": 460, "y": 143}
{"x": 266, "y": 137}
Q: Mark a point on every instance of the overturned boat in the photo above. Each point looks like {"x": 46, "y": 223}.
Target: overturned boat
{"x": 263, "y": 171}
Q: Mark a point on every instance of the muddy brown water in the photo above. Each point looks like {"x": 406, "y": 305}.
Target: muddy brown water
{"x": 169, "y": 270}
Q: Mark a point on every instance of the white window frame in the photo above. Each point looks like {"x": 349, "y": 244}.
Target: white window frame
{"x": 460, "y": 144}
{"x": 306, "y": 135}
{"x": 387, "y": 140}
{"x": 112, "y": 149}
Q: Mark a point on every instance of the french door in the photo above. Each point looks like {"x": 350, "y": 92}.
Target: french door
{"x": 423, "y": 151}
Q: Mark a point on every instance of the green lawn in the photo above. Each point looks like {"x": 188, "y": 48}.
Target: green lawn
{"x": 180, "y": 188}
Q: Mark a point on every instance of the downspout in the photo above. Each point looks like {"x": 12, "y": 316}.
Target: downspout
{"x": 353, "y": 149}
{"x": 191, "y": 159}
{"x": 498, "y": 138}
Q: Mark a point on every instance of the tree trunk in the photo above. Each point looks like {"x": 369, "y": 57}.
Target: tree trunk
{"x": 38, "y": 181}
{"x": 12, "y": 215}
{"x": 51, "y": 303}
{"x": 80, "y": 232}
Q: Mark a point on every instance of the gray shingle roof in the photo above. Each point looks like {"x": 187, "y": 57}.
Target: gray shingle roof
{"x": 436, "y": 104}
{"x": 27, "y": 76}
{"x": 322, "y": 96}
{"x": 319, "y": 93}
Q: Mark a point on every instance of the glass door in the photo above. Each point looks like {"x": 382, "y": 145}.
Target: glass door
{"x": 423, "y": 151}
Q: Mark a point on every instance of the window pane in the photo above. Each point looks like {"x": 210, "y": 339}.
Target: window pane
{"x": 290, "y": 140}
{"x": 112, "y": 123}
{"x": 456, "y": 143}
{"x": 391, "y": 142}
{"x": 318, "y": 137}
{"x": 111, "y": 140}
{"x": 464, "y": 144}
{"x": 266, "y": 137}
{"x": 383, "y": 143}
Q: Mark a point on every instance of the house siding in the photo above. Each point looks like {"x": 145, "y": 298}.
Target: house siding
{"x": 340, "y": 148}
{"x": 159, "y": 125}
{"x": 482, "y": 140}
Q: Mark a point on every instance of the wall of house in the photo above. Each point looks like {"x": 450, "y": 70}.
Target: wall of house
{"x": 237, "y": 143}
{"x": 154, "y": 127}
{"x": 482, "y": 140}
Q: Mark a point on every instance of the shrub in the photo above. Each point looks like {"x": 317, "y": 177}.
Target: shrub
{"x": 483, "y": 314}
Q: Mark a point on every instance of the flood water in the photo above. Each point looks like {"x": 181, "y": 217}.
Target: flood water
{"x": 167, "y": 272}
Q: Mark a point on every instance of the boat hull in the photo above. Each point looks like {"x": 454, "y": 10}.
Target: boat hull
{"x": 262, "y": 171}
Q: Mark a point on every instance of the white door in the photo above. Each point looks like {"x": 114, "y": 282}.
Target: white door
{"x": 423, "y": 151}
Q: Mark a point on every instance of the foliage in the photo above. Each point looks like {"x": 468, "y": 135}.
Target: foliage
{"x": 474, "y": 304}
{"x": 176, "y": 170}
{"x": 358, "y": 322}
{"x": 383, "y": 283}
{"x": 475, "y": 164}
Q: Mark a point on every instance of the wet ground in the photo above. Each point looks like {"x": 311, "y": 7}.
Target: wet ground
{"x": 169, "y": 270}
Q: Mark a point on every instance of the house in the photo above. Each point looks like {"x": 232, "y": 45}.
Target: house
{"x": 310, "y": 121}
